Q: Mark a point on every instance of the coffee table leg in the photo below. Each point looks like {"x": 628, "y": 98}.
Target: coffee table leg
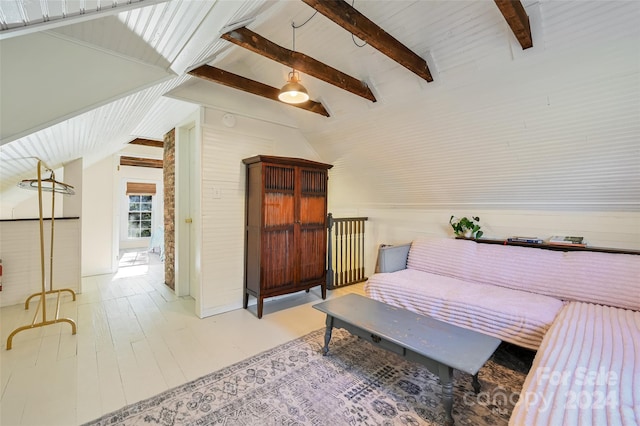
{"x": 476, "y": 384}
{"x": 327, "y": 335}
{"x": 447, "y": 396}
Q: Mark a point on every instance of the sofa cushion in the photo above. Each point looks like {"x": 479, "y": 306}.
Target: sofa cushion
{"x": 610, "y": 279}
{"x": 515, "y": 316}
{"x": 586, "y": 371}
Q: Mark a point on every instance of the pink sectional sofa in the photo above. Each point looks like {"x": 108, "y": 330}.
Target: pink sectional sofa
{"x": 580, "y": 310}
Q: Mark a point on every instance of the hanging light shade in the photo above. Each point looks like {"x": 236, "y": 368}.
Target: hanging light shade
{"x": 293, "y": 92}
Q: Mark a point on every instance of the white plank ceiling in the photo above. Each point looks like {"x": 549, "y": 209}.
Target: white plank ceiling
{"x": 555, "y": 125}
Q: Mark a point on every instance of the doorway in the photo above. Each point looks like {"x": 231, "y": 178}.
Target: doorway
{"x": 187, "y": 213}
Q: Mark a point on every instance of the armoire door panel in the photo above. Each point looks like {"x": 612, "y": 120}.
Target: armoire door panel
{"x": 279, "y": 178}
{"x": 312, "y": 253}
{"x": 312, "y": 210}
{"x": 314, "y": 181}
{"x": 277, "y": 259}
{"x": 278, "y": 209}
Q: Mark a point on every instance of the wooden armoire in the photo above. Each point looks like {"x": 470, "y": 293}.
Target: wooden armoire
{"x": 286, "y": 227}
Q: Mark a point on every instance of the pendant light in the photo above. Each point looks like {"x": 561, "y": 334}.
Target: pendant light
{"x": 293, "y": 92}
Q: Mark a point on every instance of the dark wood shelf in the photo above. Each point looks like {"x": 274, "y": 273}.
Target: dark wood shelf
{"x": 556, "y": 247}
{"x": 32, "y": 219}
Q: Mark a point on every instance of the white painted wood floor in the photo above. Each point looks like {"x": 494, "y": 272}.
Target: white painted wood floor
{"x": 135, "y": 339}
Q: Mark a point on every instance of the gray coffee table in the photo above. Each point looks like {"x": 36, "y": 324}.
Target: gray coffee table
{"x": 439, "y": 346}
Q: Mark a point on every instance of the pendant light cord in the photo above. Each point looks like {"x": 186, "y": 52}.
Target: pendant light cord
{"x": 353, "y": 38}
{"x": 294, "y": 26}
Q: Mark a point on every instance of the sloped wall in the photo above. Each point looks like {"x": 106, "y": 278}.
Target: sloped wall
{"x": 91, "y": 77}
{"x": 541, "y": 142}
{"x": 555, "y": 127}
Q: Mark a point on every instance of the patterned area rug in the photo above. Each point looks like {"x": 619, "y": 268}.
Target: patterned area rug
{"x": 356, "y": 384}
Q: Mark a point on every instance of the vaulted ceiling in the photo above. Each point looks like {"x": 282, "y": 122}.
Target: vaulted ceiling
{"x": 82, "y": 81}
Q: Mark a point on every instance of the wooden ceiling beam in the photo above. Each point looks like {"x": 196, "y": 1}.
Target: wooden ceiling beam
{"x": 515, "y": 15}
{"x": 359, "y": 25}
{"x": 248, "y": 39}
{"x": 217, "y": 75}
{"x": 147, "y": 142}
{"x": 141, "y": 162}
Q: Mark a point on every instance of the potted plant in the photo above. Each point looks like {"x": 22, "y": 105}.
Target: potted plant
{"x": 465, "y": 227}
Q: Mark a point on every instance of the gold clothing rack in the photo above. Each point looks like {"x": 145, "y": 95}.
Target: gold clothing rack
{"x": 49, "y": 185}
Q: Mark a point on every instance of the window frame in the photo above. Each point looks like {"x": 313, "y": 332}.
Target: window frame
{"x": 147, "y": 213}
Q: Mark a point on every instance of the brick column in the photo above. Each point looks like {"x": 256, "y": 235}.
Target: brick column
{"x": 169, "y": 177}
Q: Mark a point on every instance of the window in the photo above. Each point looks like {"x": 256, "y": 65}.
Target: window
{"x": 140, "y": 215}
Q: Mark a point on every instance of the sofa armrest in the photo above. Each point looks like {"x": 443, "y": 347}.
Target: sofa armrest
{"x": 393, "y": 258}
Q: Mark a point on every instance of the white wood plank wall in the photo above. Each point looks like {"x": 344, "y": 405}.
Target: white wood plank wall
{"x": 223, "y": 218}
{"x": 20, "y": 254}
{"x": 222, "y": 215}
{"x": 397, "y": 226}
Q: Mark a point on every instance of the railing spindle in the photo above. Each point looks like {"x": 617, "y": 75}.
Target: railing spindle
{"x": 346, "y": 251}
